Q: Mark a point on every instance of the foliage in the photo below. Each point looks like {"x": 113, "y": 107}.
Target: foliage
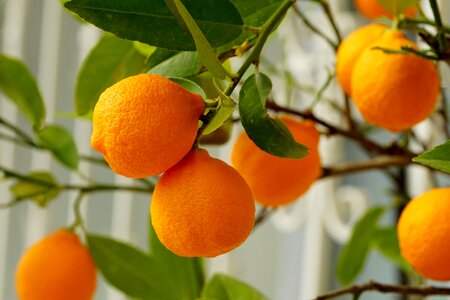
{"x": 183, "y": 40}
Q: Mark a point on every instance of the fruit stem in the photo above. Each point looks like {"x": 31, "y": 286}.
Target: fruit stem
{"x": 77, "y": 212}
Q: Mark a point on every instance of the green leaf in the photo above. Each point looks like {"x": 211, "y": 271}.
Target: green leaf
{"x": 41, "y": 189}
{"x": 189, "y": 85}
{"x": 352, "y": 257}
{"x": 397, "y": 6}
{"x": 271, "y": 135}
{"x": 224, "y": 287}
{"x": 437, "y": 158}
{"x": 60, "y": 142}
{"x": 19, "y": 85}
{"x": 158, "y": 56}
{"x": 205, "y": 52}
{"x": 186, "y": 273}
{"x": 182, "y": 64}
{"x": 222, "y": 114}
{"x": 130, "y": 270}
{"x": 111, "y": 60}
{"x": 151, "y": 22}
{"x": 385, "y": 240}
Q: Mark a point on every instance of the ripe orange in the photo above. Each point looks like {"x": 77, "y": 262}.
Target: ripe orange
{"x": 424, "y": 233}
{"x": 372, "y": 10}
{"x": 202, "y": 207}
{"x": 394, "y": 91}
{"x": 57, "y": 267}
{"x": 350, "y": 49}
{"x": 145, "y": 124}
{"x": 274, "y": 180}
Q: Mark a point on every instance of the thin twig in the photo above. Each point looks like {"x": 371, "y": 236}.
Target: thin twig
{"x": 326, "y": 7}
{"x": 357, "y": 290}
{"x": 314, "y": 29}
{"x": 22, "y": 134}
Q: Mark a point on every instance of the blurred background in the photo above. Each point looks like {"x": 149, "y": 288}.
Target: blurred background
{"x": 291, "y": 256}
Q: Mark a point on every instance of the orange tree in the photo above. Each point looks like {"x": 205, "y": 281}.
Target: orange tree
{"x": 151, "y": 125}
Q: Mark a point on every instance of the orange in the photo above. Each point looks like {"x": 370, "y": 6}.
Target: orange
{"x": 424, "y": 234}
{"x": 274, "y": 180}
{"x": 350, "y": 49}
{"x": 145, "y": 124}
{"x": 372, "y": 10}
{"x": 57, "y": 267}
{"x": 394, "y": 91}
{"x": 202, "y": 207}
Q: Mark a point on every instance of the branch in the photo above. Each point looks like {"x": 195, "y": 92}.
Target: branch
{"x": 353, "y": 135}
{"x": 380, "y": 162}
{"x": 357, "y": 290}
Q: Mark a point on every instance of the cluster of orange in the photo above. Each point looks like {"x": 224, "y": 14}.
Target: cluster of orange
{"x": 146, "y": 125}
{"x": 395, "y": 92}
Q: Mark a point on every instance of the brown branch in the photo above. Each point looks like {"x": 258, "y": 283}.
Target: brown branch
{"x": 380, "y": 162}
{"x": 353, "y": 135}
{"x": 357, "y": 290}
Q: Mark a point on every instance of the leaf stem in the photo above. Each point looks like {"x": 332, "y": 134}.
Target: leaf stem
{"x": 266, "y": 29}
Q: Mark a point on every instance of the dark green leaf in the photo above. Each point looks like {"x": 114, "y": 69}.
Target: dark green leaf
{"x": 224, "y": 287}
{"x": 111, "y": 60}
{"x": 189, "y": 85}
{"x": 386, "y": 241}
{"x": 186, "y": 273}
{"x": 353, "y": 255}
{"x": 41, "y": 188}
{"x": 271, "y": 135}
{"x": 205, "y": 52}
{"x": 130, "y": 270}
{"x": 182, "y": 64}
{"x": 20, "y": 86}
{"x": 256, "y": 13}
{"x": 60, "y": 142}
{"x": 397, "y": 6}
{"x": 438, "y": 157}
{"x": 151, "y": 22}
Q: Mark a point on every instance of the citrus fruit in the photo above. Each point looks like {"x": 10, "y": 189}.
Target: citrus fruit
{"x": 424, "y": 233}
{"x": 372, "y": 10}
{"x": 202, "y": 207}
{"x": 391, "y": 90}
{"x": 57, "y": 267}
{"x": 274, "y": 180}
{"x": 145, "y": 124}
{"x": 350, "y": 49}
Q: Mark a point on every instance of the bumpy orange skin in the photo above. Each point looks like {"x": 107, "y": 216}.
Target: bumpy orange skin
{"x": 276, "y": 181}
{"x": 394, "y": 91}
{"x": 202, "y": 207}
{"x": 424, "y": 234}
{"x": 57, "y": 267}
{"x": 350, "y": 49}
{"x": 372, "y": 10}
{"x": 145, "y": 124}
